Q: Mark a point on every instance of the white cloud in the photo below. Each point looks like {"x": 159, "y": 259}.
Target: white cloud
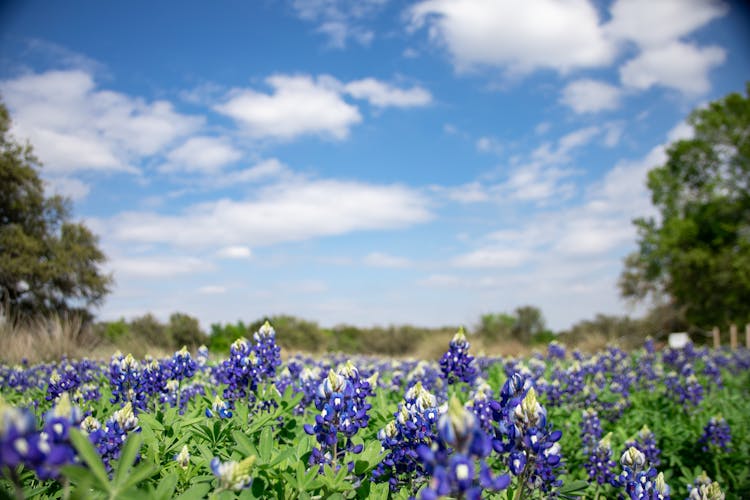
{"x": 379, "y": 259}
{"x": 299, "y": 105}
{"x": 613, "y": 133}
{"x": 339, "y": 32}
{"x": 75, "y": 126}
{"x": 590, "y": 96}
{"x": 472, "y": 192}
{"x": 487, "y": 144}
{"x": 69, "y": 187}
{"x": 340, "y": 20}
{"x": 280, "y": 213}
{"x": 157, "y": 266}
{"x": 650, "y": 24}
{"x": 520, "y": 35}
{"x": 682, "y": 130}
{"x": 383, "y": 95}
{"x": 492, "y": 258}
{"x": 235, "y": 252}
{"x": 678, "y": 65}
{"x": 212, "y": 290}
{"x": 202, "y": 154}
{"x": 264, "y": 170}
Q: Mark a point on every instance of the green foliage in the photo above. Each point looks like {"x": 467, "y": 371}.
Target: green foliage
{"x": 149, "y": 329}
{"x": 697, "y": 252}
{"x": 114, "y": 331}
{"x": 222, "y": 336}
{"x": 523, "y": 325}
{"x": 184, "y": 330}
{"x": 496, "y": 326}
{"x": 47, "y": 262}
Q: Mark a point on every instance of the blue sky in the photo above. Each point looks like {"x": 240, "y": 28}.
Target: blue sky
{"x": 369, "y": 162}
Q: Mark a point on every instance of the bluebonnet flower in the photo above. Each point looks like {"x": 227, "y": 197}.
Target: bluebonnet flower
{"x": 684, "y": 388}
{"x": 555, "y": 351}
{"x": 67, "y": 381}
{"x": 341, "y": 400}
{"x": 481, "y": 404}
{"x": 535, "y": 455}
{"x": 182, "y": 365}
{"x": 266, "y": 349}
{"x": 591, "y": 429}
{"x": 44, "y": 451}
{"x": 248, "y": 365}
{"x": 705, "y": 489}
{"x": 219, "y": 408}
{"x": 645, "y": 441}
{"x": 413, "y": 426}
{"x": 18, "y": 436}
{"x": 126, "y": 383}
{"x": 640, "y": 481}
{"x": 600, "y": 465}
{"x": 717, "y": 435}
{"x": 183, "y": 457}
{"x": 109, "y": 438}
{"x": 456, "y": 459}
{"x": 234, "y": 476}
{"x": 427, "y": 374}
{"x": 457, "y": 364}
{"x": 202, "y": 356}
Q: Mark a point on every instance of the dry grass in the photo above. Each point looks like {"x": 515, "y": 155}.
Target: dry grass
{"x": 51, "y": 338}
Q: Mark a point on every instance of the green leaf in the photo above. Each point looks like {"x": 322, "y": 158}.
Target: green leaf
{"x": 573, "y": 489}
{"x": 127, "y": 457}
{"x": 138, "y": 474}
{"x": 196, "y": 492}
{"x": 89, "y": 455}
{"x": 167, "y": 486}
{"x": 266, "y": 444}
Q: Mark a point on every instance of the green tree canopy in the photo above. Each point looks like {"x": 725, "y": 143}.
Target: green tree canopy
{"x": 47, "y": 262}
{"x": 696, "y": 253}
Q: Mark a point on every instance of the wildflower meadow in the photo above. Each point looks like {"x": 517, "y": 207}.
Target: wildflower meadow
{"x": 648, "y": 424}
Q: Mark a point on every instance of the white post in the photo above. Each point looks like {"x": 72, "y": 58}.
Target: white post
{"x": 733, "y": 336}
{"x": 717, "y": 339}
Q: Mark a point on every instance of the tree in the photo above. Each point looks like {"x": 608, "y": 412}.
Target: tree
{"x": 695, "y": 256}
{"x": 47, "y": 262}
{"x": 529, "y": 322}
{"x": 185, "y": 330}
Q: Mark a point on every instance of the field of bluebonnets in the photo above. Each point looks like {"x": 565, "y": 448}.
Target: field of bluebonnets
{"x": 670, "y": 423}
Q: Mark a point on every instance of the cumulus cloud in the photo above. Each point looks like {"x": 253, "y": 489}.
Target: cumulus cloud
{"x": 382, "y": 95}
{"x": 299, "y": 105}
{"x": 302, "y": 105}
{"x": 520, "y": 35}
{"x": 666, "y": 21}
{"x": 76, "y": 126}
{"x": 280, "y": 213}
{"x": 680, "y": 66}
{"x": 590, "y": 96}
{"x": 202, "y": 154}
